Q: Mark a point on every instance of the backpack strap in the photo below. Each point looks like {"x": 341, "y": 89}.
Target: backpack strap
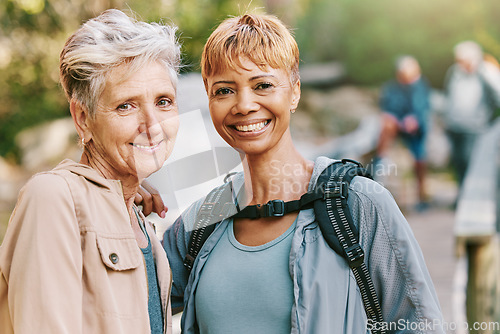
{"x": 337, "y": 226}
{"x": 211, "y": 212}
{"x": 329, "y": 199}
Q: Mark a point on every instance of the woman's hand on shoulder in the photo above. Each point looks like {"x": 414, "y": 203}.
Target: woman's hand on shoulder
{"x": 150, "y": 199}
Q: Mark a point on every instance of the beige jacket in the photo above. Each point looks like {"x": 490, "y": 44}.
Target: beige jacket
{"x": 70, "y": 263}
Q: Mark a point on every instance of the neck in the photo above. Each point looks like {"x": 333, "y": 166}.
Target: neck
{"x": 277, "y": 174}
{"x": 130, "y": 183}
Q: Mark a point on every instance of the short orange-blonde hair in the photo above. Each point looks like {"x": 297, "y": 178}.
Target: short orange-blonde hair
{"x": 263, "y": 39}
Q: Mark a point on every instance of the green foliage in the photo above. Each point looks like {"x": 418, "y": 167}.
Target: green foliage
{"x": 30, "y": 38}
{"x": 367, "y": 36}
{"x": 198, "y": 18}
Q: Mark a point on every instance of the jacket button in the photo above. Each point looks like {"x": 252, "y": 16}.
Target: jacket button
{"x": 114, "y": 258}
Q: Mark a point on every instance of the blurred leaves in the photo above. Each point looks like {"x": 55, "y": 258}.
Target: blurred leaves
{"x": 366, "y": 36}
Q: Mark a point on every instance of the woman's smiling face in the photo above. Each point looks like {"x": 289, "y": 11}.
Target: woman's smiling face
{"x": 136, "y": 121}
{"x": 250, "y": 106}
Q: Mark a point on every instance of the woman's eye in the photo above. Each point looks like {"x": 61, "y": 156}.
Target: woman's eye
{"x": 222, "y": 91}
{"x": 124, "y": 107}
{"x": 164, "y": 102}
{"x": 264, "y": 85}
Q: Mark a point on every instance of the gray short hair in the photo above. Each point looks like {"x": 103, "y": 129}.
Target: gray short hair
{"x": 404, "y": 61}
{"x": 110, "y": 40}
{"x": 468, "y": 50}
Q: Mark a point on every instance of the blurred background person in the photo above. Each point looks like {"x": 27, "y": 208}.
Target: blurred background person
{"x": 405, "y": 111}
{"x": 472, "y": 88}
{"x": 77, "y": 256}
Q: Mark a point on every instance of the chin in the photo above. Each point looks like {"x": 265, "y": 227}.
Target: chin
{"x": 150, "y": 165}
{"x": 253, "y": 150}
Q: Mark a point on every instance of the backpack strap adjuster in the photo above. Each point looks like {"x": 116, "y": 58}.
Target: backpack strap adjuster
{"x": 337, "y": 190}
{"x": 274, "y": 208}
{"x": 355, "y": 255}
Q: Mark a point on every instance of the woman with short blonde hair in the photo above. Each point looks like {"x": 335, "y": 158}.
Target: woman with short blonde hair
{"x": 276, "y": 273}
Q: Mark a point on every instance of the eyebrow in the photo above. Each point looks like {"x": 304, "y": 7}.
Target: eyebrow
{"x": 133, "y": 97}
{"x": 222, "y": 82}
{"x": 251, "y": 79}
{"x": 261, "y": 76}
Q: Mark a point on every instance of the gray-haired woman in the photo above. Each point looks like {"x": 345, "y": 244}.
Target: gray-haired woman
{"x": 77, "y": 256}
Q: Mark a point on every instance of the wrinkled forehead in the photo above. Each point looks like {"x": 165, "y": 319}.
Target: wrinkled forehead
{"x": 240, "y": 62}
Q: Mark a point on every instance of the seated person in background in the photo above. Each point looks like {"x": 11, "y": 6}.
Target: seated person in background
{"x": 405, "y": 105}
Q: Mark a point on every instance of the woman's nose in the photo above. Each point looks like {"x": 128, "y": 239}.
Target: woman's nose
{"x": 149, "y": 122}
{"x": 245, "y": 103}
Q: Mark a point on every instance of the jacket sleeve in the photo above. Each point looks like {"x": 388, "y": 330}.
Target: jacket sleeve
{"x": 388, "y": 101}
{"x": 490, "y": 75}
{"x": 396, "y": 263}
{"x": 420, "y": 104}
{"x": 43, "y": 245}
{"x": 176, "y": 242}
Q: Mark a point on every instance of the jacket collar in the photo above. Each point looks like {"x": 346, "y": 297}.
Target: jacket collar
{"x": 90, "y": 174}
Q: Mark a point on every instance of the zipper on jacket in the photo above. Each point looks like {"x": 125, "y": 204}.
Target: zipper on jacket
{"x": 165, "y": 315}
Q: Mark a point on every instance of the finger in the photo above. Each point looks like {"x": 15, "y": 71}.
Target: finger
{"x": 149, "y": 188}
{"x": 138, "y": 199}
{"x": 147, "y": 201}
{"x": 158, "y": 205}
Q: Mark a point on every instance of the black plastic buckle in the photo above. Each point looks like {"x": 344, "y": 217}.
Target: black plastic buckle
{"x": 339, "y": 190}
{"x": 275, "y": 208}
{"x": 355, "y": 255}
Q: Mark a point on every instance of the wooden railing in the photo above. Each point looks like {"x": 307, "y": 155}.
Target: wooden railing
{"x": 476, "y": 230}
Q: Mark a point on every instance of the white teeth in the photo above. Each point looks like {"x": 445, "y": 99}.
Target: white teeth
{"x": 143, "y": 147}
{"x": 251, "y": 127}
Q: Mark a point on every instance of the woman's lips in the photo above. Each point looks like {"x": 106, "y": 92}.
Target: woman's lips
{"x": 147, "y": 147}
{"x": 253, "y": 127}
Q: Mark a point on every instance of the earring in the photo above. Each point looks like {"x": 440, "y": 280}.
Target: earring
{"x": 83, "y": 142}
{"x": 292, "y": 110}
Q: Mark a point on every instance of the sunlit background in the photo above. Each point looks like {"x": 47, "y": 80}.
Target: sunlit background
{"x": 363, "y": 35}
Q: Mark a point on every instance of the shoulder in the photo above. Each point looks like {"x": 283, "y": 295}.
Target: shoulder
{"x": 372, "y": 201}
{"x": 45, "y": 200}
{"x": 370, "y": 191}
{"x": 46, "y": 186}
{"x": 378, "y": 215}
{"x": 45, "y": 194}
{"x": 376, "y": 200}
{"x": 368, "y": 199}
{"x": 391, "y": 86}
{"x": 363, "y": 190}
{"x": 452, "y": 73}
{"x": 423, "y": 83}
{"x": 188, "y": 217}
